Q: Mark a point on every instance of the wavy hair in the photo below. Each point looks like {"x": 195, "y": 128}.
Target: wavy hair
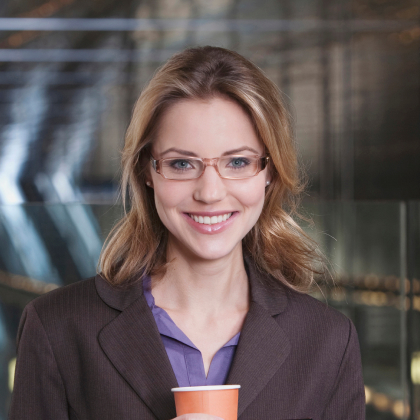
{"x": 278, "y": 246}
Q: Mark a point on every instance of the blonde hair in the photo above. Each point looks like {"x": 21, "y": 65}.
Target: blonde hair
{"x": 277, "y": 244}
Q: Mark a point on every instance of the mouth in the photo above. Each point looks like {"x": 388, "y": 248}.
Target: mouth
{"x": 213, "y": 220}
{"x": 208, "y": 224}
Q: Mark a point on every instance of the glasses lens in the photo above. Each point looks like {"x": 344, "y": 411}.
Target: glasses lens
{"x": 178, "y": 168}
{"x": 238, "y": 166}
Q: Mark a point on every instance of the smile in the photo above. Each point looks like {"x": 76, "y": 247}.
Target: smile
{"x": 210, "y": 225}
{"x": 206, "y": 220}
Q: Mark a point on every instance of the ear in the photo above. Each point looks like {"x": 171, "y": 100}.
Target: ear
{"x": 148, "y": 181}
{"x": 268, "y": 174}
{"x": 145, "y": 163}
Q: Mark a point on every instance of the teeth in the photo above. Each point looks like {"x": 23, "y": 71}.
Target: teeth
{"x": 211, "y": 220}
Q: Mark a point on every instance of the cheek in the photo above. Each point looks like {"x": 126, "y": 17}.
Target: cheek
{"x": 251, "y": 195}
{"x": 168, "y": 196}
{"x": 251, "y": 198}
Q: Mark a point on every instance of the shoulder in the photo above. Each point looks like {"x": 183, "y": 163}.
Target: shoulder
{"x": 295, "y": 311}
{"x": 317, "y": 321}
{"x": 313, "y": 310}
{"x": 75, "y": 304}
{"x": 69, "y": 296}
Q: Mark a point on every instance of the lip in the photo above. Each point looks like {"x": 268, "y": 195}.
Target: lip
{"x": 210, "y": 229}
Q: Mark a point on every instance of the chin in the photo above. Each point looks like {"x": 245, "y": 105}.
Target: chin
{"x": 205, "y": 248}
{"x": 213, "y": 252}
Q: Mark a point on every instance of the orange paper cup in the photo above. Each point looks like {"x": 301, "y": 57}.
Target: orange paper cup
{"x": 217, "y": 400}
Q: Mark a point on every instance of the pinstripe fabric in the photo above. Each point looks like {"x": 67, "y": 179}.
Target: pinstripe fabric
{"x": 89, "y": 351}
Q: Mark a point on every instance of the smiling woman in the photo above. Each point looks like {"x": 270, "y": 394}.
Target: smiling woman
{"x": 225, "y": 100}
{"x": 203, "y": 281}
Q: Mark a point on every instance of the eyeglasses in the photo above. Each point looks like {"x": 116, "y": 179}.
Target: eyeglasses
{"x": 228, "y": 167}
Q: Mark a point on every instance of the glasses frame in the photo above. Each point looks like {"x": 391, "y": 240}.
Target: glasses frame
{"x": 156, "y": 164}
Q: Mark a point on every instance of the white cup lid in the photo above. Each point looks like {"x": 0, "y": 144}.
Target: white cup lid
{"x": 205, "y": 388}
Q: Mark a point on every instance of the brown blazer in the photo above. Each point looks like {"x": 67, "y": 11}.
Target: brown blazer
{"x": 89, "y": 352}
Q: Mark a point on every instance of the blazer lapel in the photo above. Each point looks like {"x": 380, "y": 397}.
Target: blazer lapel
{"x": 132, "y": 343}
{"x": 263, "y": 345}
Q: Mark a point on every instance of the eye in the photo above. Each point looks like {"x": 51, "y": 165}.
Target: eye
{"x": 181, "y": 164}
{"x": 239, "y": 162}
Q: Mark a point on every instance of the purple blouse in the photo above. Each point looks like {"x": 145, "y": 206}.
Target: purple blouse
{"x": 186, "y": 360}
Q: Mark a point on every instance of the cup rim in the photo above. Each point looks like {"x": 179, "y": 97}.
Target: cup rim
{"x": 205, "y": 388}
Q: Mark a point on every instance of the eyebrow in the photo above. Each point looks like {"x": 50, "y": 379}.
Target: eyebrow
{"x": 229, "y": 152}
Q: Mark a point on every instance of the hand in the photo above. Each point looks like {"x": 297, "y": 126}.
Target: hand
{"x": 197, "y": 416}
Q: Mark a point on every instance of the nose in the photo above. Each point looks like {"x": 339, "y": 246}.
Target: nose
{"x": 210, "y": 188}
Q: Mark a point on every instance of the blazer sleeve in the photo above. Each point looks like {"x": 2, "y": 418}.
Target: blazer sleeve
{"x": 347, "y": 401}
{"x": 38, "y": 391}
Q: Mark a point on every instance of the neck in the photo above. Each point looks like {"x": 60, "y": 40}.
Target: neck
{"x": 208, "y": 287}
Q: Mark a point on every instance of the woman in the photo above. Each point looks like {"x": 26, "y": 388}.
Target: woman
{"x": 203, "y": 280}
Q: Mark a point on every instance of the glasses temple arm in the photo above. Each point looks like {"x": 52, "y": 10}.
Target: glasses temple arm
{"x": 153, "y": 162}
{"x": 264, "y": 162}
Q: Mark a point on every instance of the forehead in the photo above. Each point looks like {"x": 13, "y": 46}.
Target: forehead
{"x": 206, "y": 128}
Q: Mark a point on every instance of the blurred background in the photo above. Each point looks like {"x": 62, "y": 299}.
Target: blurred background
{"x": 70, "y": 71}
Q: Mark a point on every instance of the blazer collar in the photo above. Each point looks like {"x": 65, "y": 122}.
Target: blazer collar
{"x": 266, "y": 291}
{"x": 118, "y": 298}
{"x": 132, "y": 343}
